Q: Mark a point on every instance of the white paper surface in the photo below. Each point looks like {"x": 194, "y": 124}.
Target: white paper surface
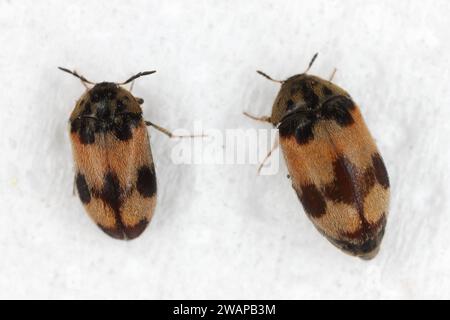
{"x": 221, "y": 231}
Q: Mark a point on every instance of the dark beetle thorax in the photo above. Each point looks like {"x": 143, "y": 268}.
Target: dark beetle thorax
{"x": 303, "y": 92}
{"x": 104, "y": 101}
{"x": 105, "y": 108}
{"x": 303, "y": 101}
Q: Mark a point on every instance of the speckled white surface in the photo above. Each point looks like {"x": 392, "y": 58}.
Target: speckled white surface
{"x": 220, "y": 231}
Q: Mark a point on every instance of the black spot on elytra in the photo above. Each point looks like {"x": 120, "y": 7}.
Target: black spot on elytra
{"x": 289, "y": 105}
{"x": 86, "y": 131}
{"x": 136, "y": 230}
{"x": 368, "y": 181}
{"x": 362, "y": 248}
{"x": 304, "y": 132}
{"x": 83, "y": 189}
{"x": 343, "y": 188}
{"x": 287, "y": 126}
{"x": 300, "y": 125}
{"x": 146, "y": 182}
{"x": 366, "y": 245}
{"x": 337, "y": 109}
{"x": 111, "y": 192}
{"x": 312, "y": 200}
{"x": 75, "y": 125}
{"x": 124, "y": 124}
{"x": 380, "y": 170}
{"x": 123, "y": 131}
{"x": 112, "y": 195}
{"x": 311, "y": 99}
{"x": 115, "y": 232}
{"x": 124, "y": 232}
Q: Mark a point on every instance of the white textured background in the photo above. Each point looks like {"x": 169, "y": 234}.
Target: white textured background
{"x": 221, "y": 231}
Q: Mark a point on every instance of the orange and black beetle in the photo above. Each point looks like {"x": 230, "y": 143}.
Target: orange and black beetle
{"x": 115, "y": 175}
{"x": 335, "y": 166}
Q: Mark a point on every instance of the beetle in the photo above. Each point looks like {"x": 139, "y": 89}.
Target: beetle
{"x": 115, "y": 174}
{"x": 335, "y": 167}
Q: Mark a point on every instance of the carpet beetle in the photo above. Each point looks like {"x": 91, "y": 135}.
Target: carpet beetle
{"x": 115, "y": 175}
{"x": 333, "y": 162}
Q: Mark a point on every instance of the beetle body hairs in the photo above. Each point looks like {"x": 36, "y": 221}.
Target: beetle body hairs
{"x": 333, "y": 162}
{"x": 115, "y": 175}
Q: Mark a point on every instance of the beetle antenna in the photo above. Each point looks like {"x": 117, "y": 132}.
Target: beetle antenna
{"x": 332, "y": 75}
{"x": 268, "y": 77}
{"x": 311, "y": 62}
{"x": 140, "y": 74}
{"x": 75, "y": 74}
